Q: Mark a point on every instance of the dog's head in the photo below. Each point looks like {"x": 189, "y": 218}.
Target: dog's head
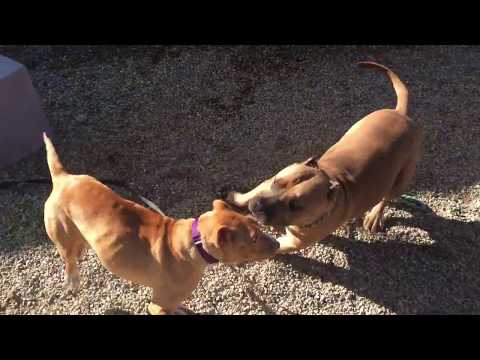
{"x": 299, "y": 195}
{"x": 232, "y": 237}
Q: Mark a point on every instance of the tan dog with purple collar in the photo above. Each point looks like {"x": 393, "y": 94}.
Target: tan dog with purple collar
{"x": 140, "y": 245}
{"x": 371, "y": 164}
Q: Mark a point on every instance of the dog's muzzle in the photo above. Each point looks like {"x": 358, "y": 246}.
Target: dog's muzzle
{"x": 258, "y": 208}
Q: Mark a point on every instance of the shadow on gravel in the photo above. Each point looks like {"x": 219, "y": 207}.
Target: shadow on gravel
{"x": 116, "y": 311}
{"x": 407, "y": 278}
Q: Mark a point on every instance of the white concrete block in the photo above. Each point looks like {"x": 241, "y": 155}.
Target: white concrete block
{"x": 22, "y": 119}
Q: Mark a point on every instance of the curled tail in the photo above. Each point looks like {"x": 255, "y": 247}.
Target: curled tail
{"x": 54, "y": 164}
{"x": 400, "y": 88}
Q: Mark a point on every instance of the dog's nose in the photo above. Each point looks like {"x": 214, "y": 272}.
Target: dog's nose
{"x": 256, "y": 205}
{"x": 271, "y": 242}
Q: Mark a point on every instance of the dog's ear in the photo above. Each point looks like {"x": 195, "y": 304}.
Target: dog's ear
{"x": 224, "y": 237}
{"x": 311, "y": 162}
{"x": 220, "y": 205}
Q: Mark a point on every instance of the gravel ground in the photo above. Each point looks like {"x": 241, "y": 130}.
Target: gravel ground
{"x": 181, "y": 123}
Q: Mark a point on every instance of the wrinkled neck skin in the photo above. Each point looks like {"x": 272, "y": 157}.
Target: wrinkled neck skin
{"x": 181, "y": 245}
{"x": 338, "y": 216}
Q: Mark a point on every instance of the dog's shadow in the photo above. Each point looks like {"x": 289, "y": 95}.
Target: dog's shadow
{"x": 407, "y": 278}
{"x": 117, "y": 311}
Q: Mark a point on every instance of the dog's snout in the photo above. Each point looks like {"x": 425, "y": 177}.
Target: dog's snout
{"x": 257, "y": 205}
{"x": 271, "y": 243}
{"x": 260, "y": 209}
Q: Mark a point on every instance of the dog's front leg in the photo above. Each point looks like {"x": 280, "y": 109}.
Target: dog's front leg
{"x": 158, "y": 305}
{"x": 289, "y": 243}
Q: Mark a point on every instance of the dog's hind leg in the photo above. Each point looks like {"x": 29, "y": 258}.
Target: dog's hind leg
{"x": 373, "y": 221}
{"x": 403, "y": 180}
{"x": 70, "y": 245}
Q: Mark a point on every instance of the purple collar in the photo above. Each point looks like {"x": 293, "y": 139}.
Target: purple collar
{"x": 197, "y": 241}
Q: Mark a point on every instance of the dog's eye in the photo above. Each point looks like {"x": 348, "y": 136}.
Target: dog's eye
{"x": 293, "y": 205}
{"x": 301, "y": 178}
{"x": 297, "y": 181}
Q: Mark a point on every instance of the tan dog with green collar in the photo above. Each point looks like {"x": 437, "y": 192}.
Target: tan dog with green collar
{"x": 140, "y": 245}
{"x": 371, "y": 164}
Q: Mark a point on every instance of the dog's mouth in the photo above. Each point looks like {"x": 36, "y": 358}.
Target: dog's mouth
{"x": 274, "y": 243}
{"x": 260, "y": 217}
{"x": 266, "y": 220}
{"x": 269, "y": 246}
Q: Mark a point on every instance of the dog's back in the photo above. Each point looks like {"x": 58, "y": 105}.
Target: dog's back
{"x": 377, "y": 148}
{"x": 82, "y": 212}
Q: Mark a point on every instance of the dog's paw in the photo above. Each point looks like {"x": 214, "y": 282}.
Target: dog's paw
{"x": 72, "y": 283}
{"x": 373, "y": 223}
{"x": 288, "y": 244}
{"x": 182, "y": 310}
{"x": 154, "y": 309}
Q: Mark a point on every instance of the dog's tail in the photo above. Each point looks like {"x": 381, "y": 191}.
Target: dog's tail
{"x": 400, "y": 88}
{"x": 54, "y": 164}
